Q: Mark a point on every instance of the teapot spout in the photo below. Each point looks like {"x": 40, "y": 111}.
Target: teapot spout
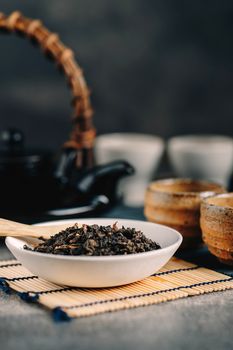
{"x": 103, "y": 179}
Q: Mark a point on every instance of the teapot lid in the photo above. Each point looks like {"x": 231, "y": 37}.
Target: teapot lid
{"x": 13, "y": 151}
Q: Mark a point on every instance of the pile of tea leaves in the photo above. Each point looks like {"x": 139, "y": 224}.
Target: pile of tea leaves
{"x": 95, "y": 240}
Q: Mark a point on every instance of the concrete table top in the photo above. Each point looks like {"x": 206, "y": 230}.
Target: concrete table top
{"x": 202, "y": 322}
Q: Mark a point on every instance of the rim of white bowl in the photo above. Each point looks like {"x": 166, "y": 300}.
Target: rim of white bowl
{"x": 215, "y": 141}
{"x": 108, "y": 257}
{"x": 126, "y": 137}
{"x": 187, "y": 181}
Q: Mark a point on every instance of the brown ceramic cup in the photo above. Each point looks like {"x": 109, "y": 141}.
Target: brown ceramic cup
{"x": 176, "y": 203}
{"x": 217, "y": 226}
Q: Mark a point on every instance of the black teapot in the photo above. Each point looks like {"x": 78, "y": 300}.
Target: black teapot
{"x": 68, "y": 183}
{"x": 35, "y": 181}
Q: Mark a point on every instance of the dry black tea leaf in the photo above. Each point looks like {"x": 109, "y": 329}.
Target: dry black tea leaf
{"x": 95, "y": 240}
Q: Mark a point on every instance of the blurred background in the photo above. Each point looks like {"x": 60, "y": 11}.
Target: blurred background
{"x": 154, "y": 66}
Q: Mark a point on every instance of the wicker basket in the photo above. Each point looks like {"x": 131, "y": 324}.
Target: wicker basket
{"x": 83, "y": 133}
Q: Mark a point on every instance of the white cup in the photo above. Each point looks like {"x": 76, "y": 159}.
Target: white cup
{"x": 207, "y": 157}
{"x": 142, "y": 151}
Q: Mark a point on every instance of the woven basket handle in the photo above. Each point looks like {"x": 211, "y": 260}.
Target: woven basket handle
{"x": 83, "y": 133}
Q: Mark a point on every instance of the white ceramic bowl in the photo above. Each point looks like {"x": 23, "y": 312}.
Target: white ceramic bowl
{"x": 106, "y": 271}
{"x": 205, "y": 157}
{"x": 140, "y": 150}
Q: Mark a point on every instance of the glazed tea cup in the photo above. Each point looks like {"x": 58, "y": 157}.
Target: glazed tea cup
{"x": 142, "y": 151}
{"x": 217, "y": 226}
{"x": 205, "y": 157}
{"x": 176, "y": 203}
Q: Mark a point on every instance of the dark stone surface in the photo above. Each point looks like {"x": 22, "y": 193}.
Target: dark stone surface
{"x": 203, "y": 322}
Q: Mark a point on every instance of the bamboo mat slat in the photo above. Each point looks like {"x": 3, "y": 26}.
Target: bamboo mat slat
{"x": 178, "y": 279}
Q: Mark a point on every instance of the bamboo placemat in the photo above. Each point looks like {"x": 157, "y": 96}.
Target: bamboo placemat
{"x": 178, "y": 279}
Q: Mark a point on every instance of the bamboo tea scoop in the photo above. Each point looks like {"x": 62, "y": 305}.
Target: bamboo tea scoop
{"x": 16, "y": 229}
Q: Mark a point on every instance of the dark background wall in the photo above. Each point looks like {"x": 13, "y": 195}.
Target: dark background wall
{"x": 155, "y": 66}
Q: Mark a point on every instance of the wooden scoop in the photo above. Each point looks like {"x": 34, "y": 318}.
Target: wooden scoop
{"x": 16, "y": 229}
